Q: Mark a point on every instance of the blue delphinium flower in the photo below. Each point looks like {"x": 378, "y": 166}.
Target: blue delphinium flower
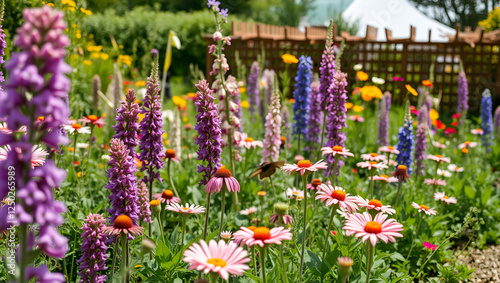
{"x": 301, "y": 96}
{"x": 486, "y": 119}
{"x": 406, "y": 142}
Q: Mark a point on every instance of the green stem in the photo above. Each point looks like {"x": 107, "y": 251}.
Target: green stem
{"x": 322, "y": 135}
{"x": 382, "y": 186}
{"x": 416, "y": 234}
{"x": 334, "y": 173}
{"x": 123, "y": 267}
{"x": 207, "y": 213}
{"x": 442, "y": 207}
{"x": 73, "y": 257}
{"x": 113, "y": 262}
{"x": 150, "y": 198}
{"x": 328, "y": 232}
{"x": 23, "y": 237}
{"x": 223, "y": 196}
{"x": 74, "y": 149}
{"x": 274, "y": 189}
{"x": 429, "y": 258}
{"x": 304, "y": 234}
{"x": 371, "y": 251}
{"x": 160, "y": 223}
{"x": 399, "y": 192}
{"x": 254, "y": 261}
{"x": 170, "y": 178}
{"x": 285, "y": 278}
{"x": 263, "y": 263}
{"x": 183, "y": 230}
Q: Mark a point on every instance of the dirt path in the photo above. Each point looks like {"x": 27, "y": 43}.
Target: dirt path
{"x": 486, "y": 262}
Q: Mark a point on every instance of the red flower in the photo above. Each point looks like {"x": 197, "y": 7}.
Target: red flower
{"x": 456, "y": 115}
{"x": 414, "y": 110}
{"x": 76, "y": 163}
{"x": 450, "y": 131}
{"x": 454, "y": 124}
{"x": 334, "y": 233}
{"x": 354, "y": 170}
{"x": 127, "y": 82}
{"x": 440, "y": 125}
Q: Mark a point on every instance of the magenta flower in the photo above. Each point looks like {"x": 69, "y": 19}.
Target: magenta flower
{"x": 337, "y": 195}
{"x": 93, "y": 249}
{"x": 262, "y": 236}
{"x": 375, "y": 204}
{"x": 220, "y": 179}
{"x": 362, "y": 225}
{"x": 314, "y": 185}
{"x": 424, "y": 208}
{"x": 221, "y": 258}
{"x": 304, "y": 165}
{"x": 429, "y": 246}
{"x": 445, "y": 198}
{"x": 143, "y": 203}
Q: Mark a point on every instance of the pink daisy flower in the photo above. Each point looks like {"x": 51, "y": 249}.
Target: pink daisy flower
{"x": 94, "y": 120}
{"x": 221, "y": 258}
{"x": 429, "y": 246}
{"x": 38, "y": 154}
{"x": 455, "y": 168}
{"x": 293, "y": 193}
{"x": 337, "y": 195}
{"x": 314, "y": 185}
{"x": 362, "y": 225}
{"x": 220, "y": 179}
{"x": 285, "y": 219}
{"x": 262, "y": 236}
{"x": 467, "y": 144}
{"x": 337, "y": 149}
{"x": 248, "y": 211}
{"x": 304, "y": 165}
{"x": 385, "y": 178}
{"x": 373, "y": 157}
{"x": 356, "y": 118}
{"x": 123, "y": 225}
{"x": 167, "y": 196}
{"x": 170, "y": 155}
{"x": 477, "y": 132}
{"x": 424, "y": 208}
{"x": 371, "y": 165}
{"x": 435, "y": 182}
{"x": 185, "y": 209}
{"x": 248, "y": 142}
{"x": 438, "y": 158}
{"x": 375, "y": 204}
{"x": 445, "y": 198}
{"x": 389, "y": 149}
{"x": 439, "y": 145}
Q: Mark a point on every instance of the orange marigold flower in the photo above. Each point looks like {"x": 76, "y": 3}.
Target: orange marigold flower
{"x": 411, "y": 90}
{"x": 362, "y": 76}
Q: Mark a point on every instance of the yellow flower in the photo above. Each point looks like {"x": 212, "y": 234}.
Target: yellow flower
{"x": 69, "y": 148}
{"x": 411, "y": 90}
{"x": 362, "y": 76}
{"x": 242, "y": 90}
{"x": 348, "y": 105}
{"x": 245, "y": 104}
{"x": 358, "y": 108}
{"x": 185, "y": 119}
{"x": 191, "y": 95}
{"x": 179, "y": 101}
{"x": 79, "y": 174}
{"x": 100, "y": 165}
{"x": 433, "y": 114}
{"x": 141, "y": 116}
{"x": 71, "y": 9}
{"x": 140, "y": 83}
{"x": 125, "y": 59}
{"x": 86, "y": 12}
{"x": 104, "y": 56}
{"x": 78, "y": 34}
{"x": 370, "y": 92}
{"x": 289, "y": 59}
{"x": 50, "y": 5}
{"x": 70, "y": 3}
{"x": 164, "y": 135}
{"x": 87, "y": 62}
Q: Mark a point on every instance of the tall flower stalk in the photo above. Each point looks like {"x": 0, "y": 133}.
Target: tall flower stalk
{"x": 406, "y": 142}
{"x": 253, "y": 88}
{"x": 383, "y": 119}
{"x": 37, "y": 86}
{"x": 462, "y": 92}
{"x": 420, "y": 142}
{"x": 486, "y": 119}
{"x": 496, "y": 126}
{"x": 93, "y": 249}
{"x": 126, "y": 127}
{"x": 301, "y": 95}
{"x": 143, "y": 203}
{"x": 315, "y": 120}
{"x": 272, "y": 140}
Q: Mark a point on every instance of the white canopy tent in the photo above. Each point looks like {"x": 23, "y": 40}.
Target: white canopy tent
{"x": 396, "y": 15}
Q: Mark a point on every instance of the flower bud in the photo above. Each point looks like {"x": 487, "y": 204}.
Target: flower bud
{"x": 281, "y": 208}
{"x": 155, "y": 206}
{"x": 147, "y": 246}
{"x": 345, "y": 266}
{"x": 217, "y": 36}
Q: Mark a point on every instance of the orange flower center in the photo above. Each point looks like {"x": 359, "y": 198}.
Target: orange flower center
{"x": 402, "y": 167}
{"x": 262, "y": 233}
{"x": 373, "y": 154}
{"x": 467, "y": 142}
{"x": 424, "y": 207}
{"x": 356, "y": 116}
{"x": 249, "y": 140}
{"x": 261, "y": 193}
{"x": 223, "y": 173}
{"x": 123, "y": 222}
{"x": 252, "y": 228}
{"x": 373, "y": 227}
{"x": 92, "y": 118}
{"x": 439, "y": 156}
{"x": 375, "y": 203}
{"x": 390, "y": 147}
{"x": 167, "y": 194}
{"x": 316, "y": 182}
{"x": 465, "y": 150}
{"x": 384, "y": 176}
{"x": 283, "y": 139}
{"x": 446, "y": 197}
{"x": 185, "y": 208}
{"x": 217, "y": 262}
{"x": 304, "y": 164}
{"x": 456, "y": 167}
{"x": 170, "y": 153}
{"x": 373, "y": 162}
{"x": 76, "y": 126}
{"x": 41, "y": 118}
{"x": 339, "y": 195}
{"x": 337, "y": 148}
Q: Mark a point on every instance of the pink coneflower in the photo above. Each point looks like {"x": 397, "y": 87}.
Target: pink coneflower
{"x": 221, "y": 258}
{"x": 226, "y": 235}
{"x": 304, "y": 165}
{"x": 467, "y": 144}
{"x": 167, "y": 196}
{"x": 477, "y": 132}
{"x": 123, "y": 225}
{"x": 185, "y": 209}
{"x": 373, "y": 157}
{"x": 424, "y": 208}
{"x": 371, "y": 164}
{"x": 337, "y": 149}
{"x": 170, "y": 155}
{"x": 374, "y": 204}
{"x": 438, "y": 158}
{"x": 429, "y": 246}
{"x": 262, "y": 236}
{"x": 439, "y": 145}
{"x": 248, "y": 142}
{"x": 248, "y": 211}
{"x": 94, "y": 120}
{"x": 444, "y": 173}
{"x": 445, "y": 198}
{"x": 285, "y": 219}
{"x": 435, "y": 182}
{"x": 362, "y": 225}
{"x": 337, "y": 195}
{"x": 293, "y": 193}
{"x": 356, "y": 118}
{"x": 220, "y": 179}
{"x": 314, "y": 185}
{"x": 385, "y": 178}
{"x": 38, "y": 154}
{"x": 76, "y": 128}
{"x": 455, "y": 168}
{"x": 389, "y": 149}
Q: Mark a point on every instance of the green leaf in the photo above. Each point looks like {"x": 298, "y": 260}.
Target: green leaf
{"x": 253, "y": 277}
{"x": 485, "y": 196}
{"x": 469, "y": 192}
{"x": 398, "y": 256}
{"x": 313, "y": 262}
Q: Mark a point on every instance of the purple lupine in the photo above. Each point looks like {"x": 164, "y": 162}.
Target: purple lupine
{"x": 301, "y": 95}
{"x": 253, "y": 88}
{"x": 272, "y": 140}
{"x": 267, "y": 92}
{"x": 421, "y": 142}
{"x": 143, "y": 202}
{"x": 336, "y": 117}
{"x": 496, "y": 124}
{"x": 3, "y": 44}
{"x": 285, "y": 117}
{"x": 231, "y": 124}
{"x": 428, "y": 104}
{"x": 93, "y": 250}
{"x": 327, "y": 71}
{"x": 126, "y": 127}
{"x": 383, "y": 119}
{"x": 37, "y": 86}
{"x": 486, "y": 119}
{"x": 151, "y": 144}
{"x": 463, "y": 93}
{"x": 122, "y": 183}
{"x": 209, "y": 133}
{"x": 315, "y": 119}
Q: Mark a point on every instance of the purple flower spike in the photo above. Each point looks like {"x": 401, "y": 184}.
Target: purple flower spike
{"x": 126, "y": 123}
{"x": 94, "y": 249}
{"x": 272, "y": 141}
{"x": 253, "y": 88}
{"x": 315, "y": 117}
{"x": 383, "y": 119}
